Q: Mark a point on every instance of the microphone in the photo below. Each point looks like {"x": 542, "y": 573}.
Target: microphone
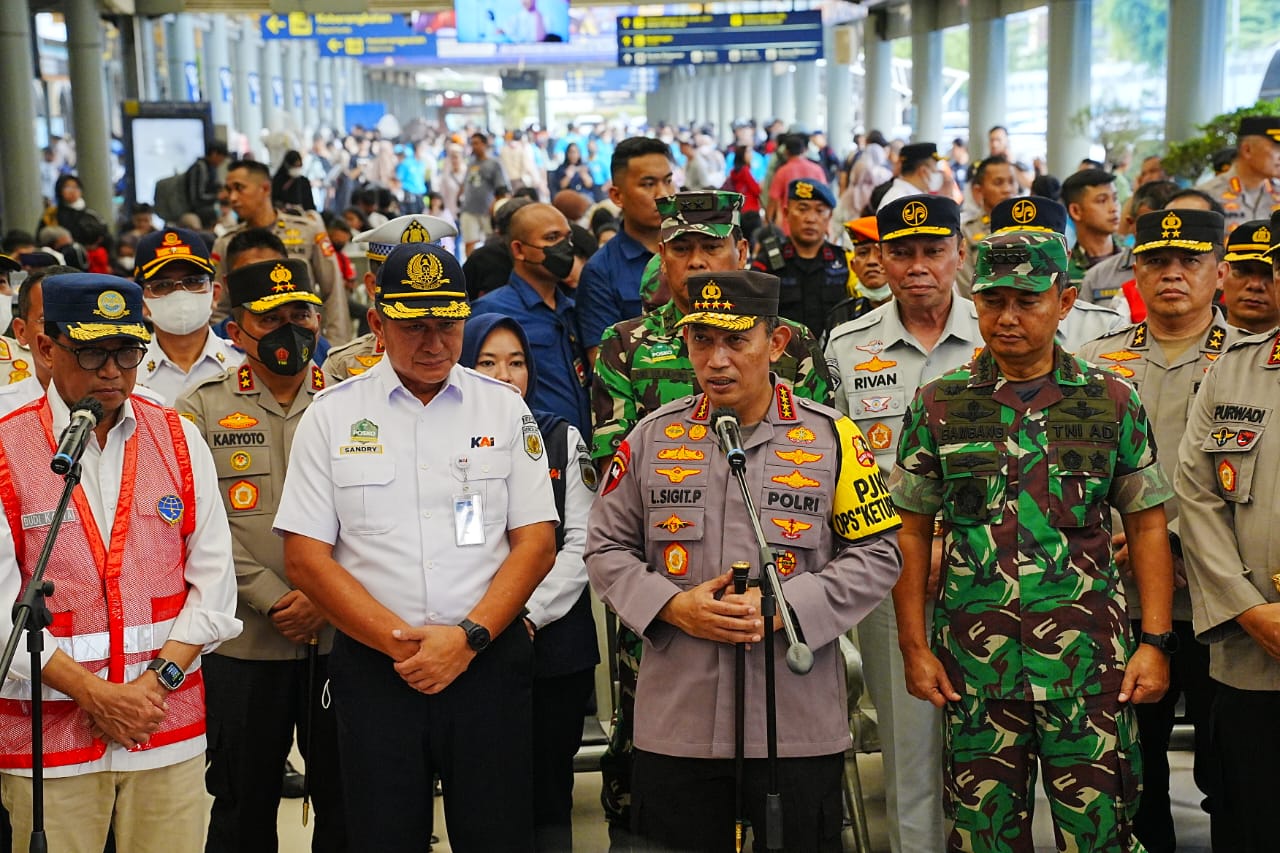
{"x": 84, "y": 417}
{"x": 725, "y": 423}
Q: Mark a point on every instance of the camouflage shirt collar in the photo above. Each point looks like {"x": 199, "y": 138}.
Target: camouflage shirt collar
{"x": 666, "y": 316}
{"x": 985, "y": 371}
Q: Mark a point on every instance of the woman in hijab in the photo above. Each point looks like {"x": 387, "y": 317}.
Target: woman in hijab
{"x": 69, "y": 211}
{"x": 289, "y": 187}
{"x": 871, "y": 170}
{"x": 558, "y": 616}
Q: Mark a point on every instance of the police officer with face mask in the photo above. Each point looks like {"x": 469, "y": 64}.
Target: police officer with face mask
{"x": 542, "y": 252}
{"x": 268, "y": 681}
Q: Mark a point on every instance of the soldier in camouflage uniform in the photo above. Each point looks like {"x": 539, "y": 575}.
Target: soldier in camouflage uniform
{"x": 363, "y": 352}
{"x": 643, "y": 365}
{"x": 1024, "y": 451}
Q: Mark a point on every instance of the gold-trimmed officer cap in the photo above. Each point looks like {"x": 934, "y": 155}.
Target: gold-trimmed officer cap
{"x": 159, "y": 248}
{"x": 1193, "y": 230}
{"x": 1249, "y": 242}
{"x": 862, "y": 230}
{"x": 1274, "y": 251}
{"x": 918, "y": 216}
{"x": 266, "y": 285}
{"x": 1029, "y": 213}
{"x": 734, "y": 300}
{"x": 94, "y": 307}
{"x": 712, "y": 212}
{"x": 415, "y": 228}
{"x": 421, "y": 280}
{"x": 1268, "y": 126}
{"x": 1023, "y": 260}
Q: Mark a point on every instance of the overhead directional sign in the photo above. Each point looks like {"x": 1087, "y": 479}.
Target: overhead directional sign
{"x": 406, "y": 45}
{"x": 596, "y": 81}
{"x": 300, "y": 25}
{"x": 718, "y": 39}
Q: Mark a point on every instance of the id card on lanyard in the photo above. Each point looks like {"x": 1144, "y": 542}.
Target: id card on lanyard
{"x": 468, "y": 510}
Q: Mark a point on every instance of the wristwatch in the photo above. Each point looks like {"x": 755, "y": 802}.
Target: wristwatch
{"x": 1166, "y": 642}
{"x": 170, "y": 674}
{"x": 477, "y": 635}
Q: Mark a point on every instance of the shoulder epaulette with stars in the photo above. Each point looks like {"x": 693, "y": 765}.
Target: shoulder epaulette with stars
{"x": 786, "y": 406}
{"x": 1139, "y": 336}
{"x": 317, "y": 378}
{"x": 244, "y": 378}
{"x": 1217, "y": 337}
{"x": 1274, "y": 358}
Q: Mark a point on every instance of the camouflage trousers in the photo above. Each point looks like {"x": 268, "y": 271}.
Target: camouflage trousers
{"x": 1087, "y": 749}
{"x": 615, "y": 764}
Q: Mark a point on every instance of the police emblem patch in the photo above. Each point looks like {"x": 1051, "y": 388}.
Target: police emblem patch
{"x": 697, "y": 432}
{"x": 786, "y": 562}
{"x": 532, "y": 441}
{"x": 243, "y": 495}
{"x": 865, "y": 457}
{"x": 880, "y": 436}
{"x": 674, "y": 431}
{"x": 169, "y": 508}
{"x": 801, "y": 435}
{"x": 364, "y": 431}
{"x": 676, "y": 558}
{"x": 240, "y": 461}
{"x": 617, "y": 468}
{"x": 791, "y": 528}
{"x": 1227, "y": 476}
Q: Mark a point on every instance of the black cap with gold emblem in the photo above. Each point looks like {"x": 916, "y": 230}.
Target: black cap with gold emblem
{"x": 1266, "y": 126}
{"x": 267, "y": 285}
{"x": 1249, "y": 242}
{"x": 1274, "y": 251}
{"x": 918, "y": 216}
{"x": 1193, "y": 230}
{"x": 421, "y": 280}
{"x": 733, "y": 300}
{"x": 1029, "y": 213}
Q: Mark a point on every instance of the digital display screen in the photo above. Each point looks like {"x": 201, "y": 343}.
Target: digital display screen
{"x": 512, "y": 21}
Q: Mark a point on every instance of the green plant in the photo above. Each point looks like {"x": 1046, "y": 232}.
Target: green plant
{"x": 1116, "y": 127}
{"x": 1189, "y": 158}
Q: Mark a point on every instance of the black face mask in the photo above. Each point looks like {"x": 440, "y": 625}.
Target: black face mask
{"x": 558, "y": 258}
{"x": 286, "y": 350}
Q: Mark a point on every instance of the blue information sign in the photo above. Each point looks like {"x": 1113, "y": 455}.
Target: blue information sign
{"x": 255, "y": 88}
{"x": 300, "y": 25}
{"x": 719, "y": 39}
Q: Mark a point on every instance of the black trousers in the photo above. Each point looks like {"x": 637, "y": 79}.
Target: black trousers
{"x": 476, "y": 734}
{"x": 1189, "y": 678}
{"x": 687, "y": 804}
{"x": 253, "y": 710}
{"x": 559, "y": 706}
{"x": 1246, "y": 739}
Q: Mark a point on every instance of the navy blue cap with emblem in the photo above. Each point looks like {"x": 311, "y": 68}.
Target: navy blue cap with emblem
{"x": 918, "y": 216}
{"x": 159, "y": 248}
{"x": 1029, "y": 213}
{"x": 420, "y": 280}
{"x": 807, "y": 189}
{"x": 93, "y": 307}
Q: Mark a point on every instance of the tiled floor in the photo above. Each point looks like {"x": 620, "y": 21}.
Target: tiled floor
{"x": 590, "y": 835}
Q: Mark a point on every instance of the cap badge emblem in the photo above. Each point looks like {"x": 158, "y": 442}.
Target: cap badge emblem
{"x": 111, "y": 305}
{"x": 425, "y": 272}
{"x": 804, "y": 190}
{"x": 282, "y": 277}
{"x": 1172, "y": 225}
{"x": 1023, "y": 212}
{"x": 415, "y": 233}
{"x": 915, "y": 213}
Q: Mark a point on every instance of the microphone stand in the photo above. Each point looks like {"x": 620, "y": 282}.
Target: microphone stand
{"x": 799, "y": 657}
{"x": 740, "y": 571}
{"x": 31, "y": 614}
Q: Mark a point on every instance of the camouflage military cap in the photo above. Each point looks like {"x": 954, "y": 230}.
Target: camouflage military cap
{"x": 1029, "y": 213}
{"x": 415, "y": 228}
{"x": 1249, "y": 242}
{"x": 650, "y": 280}
{"x": 421, "y": 280}
{"x": 1196, "y": 231}
{"x": 1023, "y": 260}
{"x": 918, "y": 216}
{"x": 734, "y": 300}
{"x": 712, "y": 212}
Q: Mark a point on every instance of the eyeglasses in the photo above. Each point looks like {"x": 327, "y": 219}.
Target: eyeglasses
{"x": 165, "y": 286}
{"x": 93, "y": 358}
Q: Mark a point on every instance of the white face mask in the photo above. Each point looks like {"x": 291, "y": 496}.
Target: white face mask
{"x": 935, "y": 181}
{"x": 876, "y": 294}
{"x": 78, "y": 204}
{"x": 180, "y": 313}
{"x": 295, "y": 173}
{"x": 126, "y": 262}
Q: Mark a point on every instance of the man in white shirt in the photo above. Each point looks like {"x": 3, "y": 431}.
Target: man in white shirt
{"x": 179, "y": 292}
{"x": 418, "y": 516}
{"x": 143, "y": 584}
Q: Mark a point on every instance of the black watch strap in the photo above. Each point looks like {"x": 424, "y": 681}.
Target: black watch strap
{"x": 477, "y": 635}
{"x": 1166, "y": 642}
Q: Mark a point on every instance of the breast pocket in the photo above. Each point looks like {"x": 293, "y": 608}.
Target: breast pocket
{"x": 973, "y": 484}
{"x": 675, "y": 544}
{"x": 1079, "y": 481}
{"x": 363, "y": 495}
{"x": 1234, "y": 450}
{"x": 487, "y": 474}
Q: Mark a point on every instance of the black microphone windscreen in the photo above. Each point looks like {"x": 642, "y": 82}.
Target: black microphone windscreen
{"x": 90, "y": 405}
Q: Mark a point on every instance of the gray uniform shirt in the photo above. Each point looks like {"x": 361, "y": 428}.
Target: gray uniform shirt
{"x": 670, "y": 516}
{"x": 1227, "y": 485}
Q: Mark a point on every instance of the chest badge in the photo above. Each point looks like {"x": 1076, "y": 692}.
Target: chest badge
{"x": 243, "y": 495}
{"x": 673, "y": 524}
{"x": 1227, "y": 476}
{"x": 697, "y": 432}
{"x": 677, "y": 474}
{"x": 676, "y": 559}
{"x": 238, "y": 420}
{"x": 683, "y": 453}
{"x": 674, "y": 431}
{"x": 801, "y": 435}
{"x": 786, "y": 562}
{"x": 169, "y": 508}
{"x": 796, "y": 480}
{"x": 240, "y": 461}
{"x": 791, "y": 528}
{"x": 799, "y": 456}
